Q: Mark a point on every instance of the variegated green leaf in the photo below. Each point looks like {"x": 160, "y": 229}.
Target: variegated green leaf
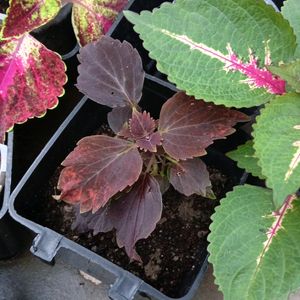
{"x": 93, "y": 18}
{"x": 218, "y": 50}
{"x": 255, "y": 252}
{"x": 25, "y": 15}
{"x": 290, "y": 72}
{"x": 245, "y": 157}
{"x": 291, "y": 11}
{"x": 277, "y": 145}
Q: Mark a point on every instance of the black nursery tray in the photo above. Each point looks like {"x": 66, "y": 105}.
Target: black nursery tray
{"x": 28, "y": 199}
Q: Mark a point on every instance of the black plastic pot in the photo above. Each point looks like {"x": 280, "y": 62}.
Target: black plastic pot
{"x": 10, "y": 242}
{"x": 29, "y": 196}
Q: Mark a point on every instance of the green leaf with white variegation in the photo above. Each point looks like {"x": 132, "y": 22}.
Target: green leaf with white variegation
{"x": 24, "y": 16}
{"x": 291, "y": 12}
{"x": 290, "y": 72}
{"x": 218, "y": 50}
{"x": 255, "y": 253}
{"x": 245, "y": 157}
{"x": 277, "y": 145}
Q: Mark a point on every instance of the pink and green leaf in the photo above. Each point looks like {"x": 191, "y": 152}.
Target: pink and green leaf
{"x": 24, "y": 16}
{"x": 191, "y": 177}
{"x": 134, "y": 215}
{"x": 254, "y": 249}
{"x": 111, "y": 73}
{"x": 189, "y": 126}
{"x": 92, "y": 171}
{"x": 214, "y": 51}
{"x": 92, "y": 18}
{"x": 26, "y": 70}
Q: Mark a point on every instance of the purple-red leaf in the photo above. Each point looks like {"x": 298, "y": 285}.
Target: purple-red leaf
{"x": 141, "y": 124}
{"x": 188, "y": 126}
{"x": 191, "y": 177}
{"x": 92, "y": 18}
{"x": 111, "y": 73}
{"x": 134, "y": 215}
{"x": 31, "y": 79}
{"x": 118, "y": 117}
{"x": 24, "y": 16}
{"x": 141, "y": 127}
{"x": 149, "y": 143}
{"x": 98, "y": 168}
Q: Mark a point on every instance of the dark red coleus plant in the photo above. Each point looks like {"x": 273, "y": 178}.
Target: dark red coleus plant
{"x": 117, "y": 181}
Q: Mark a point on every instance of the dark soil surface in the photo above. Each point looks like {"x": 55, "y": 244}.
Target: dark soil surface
{"x": 3, "y": 6}
{"x": 174, "y": 252}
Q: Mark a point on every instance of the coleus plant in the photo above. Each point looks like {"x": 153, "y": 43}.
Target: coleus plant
{"x": 117, "y": 181}
{"x": 32, "y": 76}
{"x": 241, "y": 53}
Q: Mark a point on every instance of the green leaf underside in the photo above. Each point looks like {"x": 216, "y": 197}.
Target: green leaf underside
{"x": 25, "y": 16}
{"x": 291, "y": 12}
{"x": 290, "y": 72}
{"x": 219, "y": 25}
{"x": 245, "y": 268}
{"x": 277, "y": 145}
{"x": 245, "y": 157}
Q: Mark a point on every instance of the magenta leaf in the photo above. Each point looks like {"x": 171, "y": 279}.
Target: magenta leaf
{"x": 92, "y": 171}
{"x": 93, "y": 18}
{"x": 191, "y": 177}
{"x": 118, "y": 117}
{"x": 134, "y": 215}
{"x": 31, "y": 79}
{"x": 111, "y": 73}
{"x": 188, "y": 126}
{"x": 24, "y": 16}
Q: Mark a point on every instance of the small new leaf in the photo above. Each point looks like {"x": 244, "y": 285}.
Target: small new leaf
{"x": 142, "y": 127}
{"x": 191, "y": 177}
{"x": 111, "y": 73}
{"x": 92, "y": 171}
{"x": 245, "y": 157}
{"x": 189, "y": 126}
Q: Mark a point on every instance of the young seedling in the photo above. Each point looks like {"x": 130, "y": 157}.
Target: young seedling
{"x": 118, "y": 181}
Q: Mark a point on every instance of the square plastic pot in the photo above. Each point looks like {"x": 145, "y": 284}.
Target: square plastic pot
{"x": 29, "y": 196}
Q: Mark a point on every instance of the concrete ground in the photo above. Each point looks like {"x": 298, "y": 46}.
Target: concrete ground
{"x": 28, "y": 278}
